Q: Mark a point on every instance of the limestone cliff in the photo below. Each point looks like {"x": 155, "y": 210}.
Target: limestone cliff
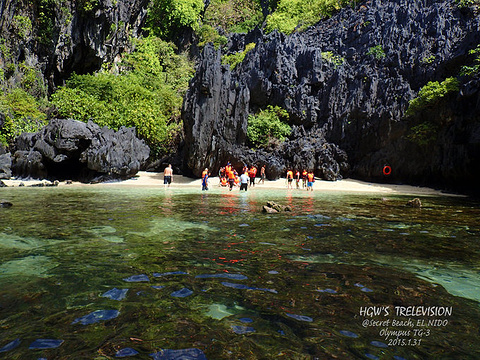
{"x": 60, "y": 37}
{"x": 346, "y": 83}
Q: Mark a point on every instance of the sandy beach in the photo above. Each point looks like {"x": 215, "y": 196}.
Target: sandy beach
{"x": 346, "y": 185}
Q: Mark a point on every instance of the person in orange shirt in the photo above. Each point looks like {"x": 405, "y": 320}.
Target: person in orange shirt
{"x": 289, "y": 179}
{"x": 231, "y": 179}
{"x": 252, "y": 173}
{"x": 310, "y": 180}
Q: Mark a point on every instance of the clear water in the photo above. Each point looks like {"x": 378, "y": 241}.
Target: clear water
{"x": 289, "y": 285}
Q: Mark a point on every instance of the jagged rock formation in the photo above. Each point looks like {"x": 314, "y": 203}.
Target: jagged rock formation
{"x": 61, "y": 37}
{"x": 346, "y": 84}
{"x": 5, "y": 163}
{"x": 70, "y": 149}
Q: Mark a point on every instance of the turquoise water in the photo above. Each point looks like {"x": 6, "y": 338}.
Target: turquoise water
{"x": 210, "y": 271}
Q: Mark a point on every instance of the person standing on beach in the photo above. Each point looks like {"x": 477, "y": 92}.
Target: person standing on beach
{"x": 310, "y": 180}
{"x": 231, "y": 179}
{"x": 297, "y": 179}
{"x": 168, "y": 175}
{"x": 304, "y": 178}
{"x": 289, "y": 179}
{"x": 244, "y": 181}
{"x": 262, "y": 174}
{"x": 252, "y": 173}
{"x": 205, "y": 175}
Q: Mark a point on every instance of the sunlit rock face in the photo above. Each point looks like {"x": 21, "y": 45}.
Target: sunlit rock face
{"x": 346, "y": 83}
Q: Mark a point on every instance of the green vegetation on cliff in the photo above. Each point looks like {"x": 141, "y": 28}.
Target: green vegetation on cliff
{"x": 236, "y": 16}
{"x": 23, "y": 113}
{"x": 146, "y": 92}
{"x": 166, "y": 18}
{"x": 431, "y": 93}
{"x": 474, "y": 68}
{"x": 269, "y": 125}
{"x": 236, "y": 58}
{"x": 291, "y": 15}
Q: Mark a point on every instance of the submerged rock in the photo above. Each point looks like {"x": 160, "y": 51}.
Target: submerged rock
{"x": 190, "y": 354}
{"x": 41, "y": 344}
{"x": 5, "y": 204}
{"x": 10, "y": 346}
{"x": 273, "y": 208}
{"x": 126, "y": 352}
{"x": 96, "y": 316}
{"x": 416, "y": 203}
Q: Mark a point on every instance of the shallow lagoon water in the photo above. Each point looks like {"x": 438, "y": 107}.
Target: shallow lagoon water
{"x": 197, "y": 264}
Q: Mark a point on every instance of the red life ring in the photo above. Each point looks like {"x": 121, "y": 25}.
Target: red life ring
{"x": 387, "y": 170}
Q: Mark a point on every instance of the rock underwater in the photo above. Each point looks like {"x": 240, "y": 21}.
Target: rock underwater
{"x": 70, "y": 149}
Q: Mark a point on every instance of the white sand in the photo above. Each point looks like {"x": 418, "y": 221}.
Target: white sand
{"x": 347, "y": 185}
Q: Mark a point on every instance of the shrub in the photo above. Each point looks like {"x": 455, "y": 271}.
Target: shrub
{"x": 22, "y": 114}
{"x": 431, "y": 93}
{"x": 208, "y": 34}
{"x": 46, "y": 18}
{"x": 299, "y": 14}
{"x": 87, "y": 6}
{"x": 268, "y": 125}
{"x": 470, "y": 70}
{"x": 236, "y": 58}
{"x": 423, "y": 134}
{"x": 336, "y": 60}
{"x": 467, "y": 3}
{"x": 238, "y": 16}
{"x": 22, "y": 26}
{"x": 167, "y": 17}
{"x": 377, "y": 52}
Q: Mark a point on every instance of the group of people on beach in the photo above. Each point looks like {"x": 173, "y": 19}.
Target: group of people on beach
{"x": 230, "y": 178}
{"x": 307, "y": 177}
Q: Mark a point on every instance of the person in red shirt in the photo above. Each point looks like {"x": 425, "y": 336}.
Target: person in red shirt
{"x": 297, "y": 179}
{"x": 304, "y": 178}
{"x": 289, "y": 179}
{"x": 252, "y": 173}
{"x": 310, "y": 180}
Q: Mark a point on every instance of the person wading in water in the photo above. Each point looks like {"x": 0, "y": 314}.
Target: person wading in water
{"x": 168, "y": 175}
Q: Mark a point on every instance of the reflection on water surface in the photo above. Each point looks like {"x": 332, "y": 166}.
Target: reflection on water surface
{"x": 91, "y": 273}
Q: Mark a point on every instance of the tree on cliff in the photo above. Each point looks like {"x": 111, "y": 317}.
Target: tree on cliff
{"x": 167, "y": 18}
{"x": 146, "y": 92}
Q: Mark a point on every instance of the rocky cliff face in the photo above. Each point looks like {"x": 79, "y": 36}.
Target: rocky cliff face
{"x": 346, "y": 83}
{"x": 60, "y": 37}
